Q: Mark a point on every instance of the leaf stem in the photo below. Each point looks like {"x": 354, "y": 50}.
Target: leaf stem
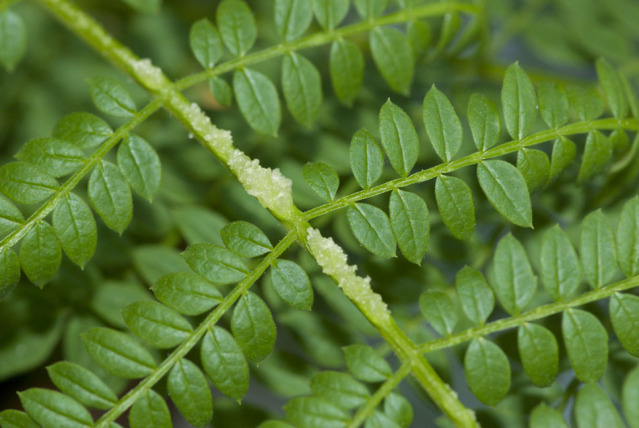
{"x": 532, "y": 315}
{"x": 473, "y": 159}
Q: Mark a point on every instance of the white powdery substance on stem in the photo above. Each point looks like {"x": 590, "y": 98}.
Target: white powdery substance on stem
{"x": 150, "y": 75}
{"x": 219, "y": 141}
{"x": 332, "y": 259}
{"x": 269, "y": 186}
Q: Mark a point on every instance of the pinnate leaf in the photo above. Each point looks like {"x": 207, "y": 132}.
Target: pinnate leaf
{"x": 190, "y": 392}
{"x": 75, "y": 227}
{"x": 13, "y": 39}
{"x": 439, "y": 310}
{"x": 560, "y": 267}
{"x": 292, "y": 18}
{"x": 371, "y": 227}
{"x": 322, "y": 179}
{"x": 624, "y": 314}
{"x": 140, "y": 165}
{"x": 236, "y": 24}
{"x": 253, "y": 327}
{"x": 506, "y": 191}
{"x": 330, "y": 13}
{"x": 82, "y": 385}
{"x": 393, "y": 57}
{"x": 224, "y": 363}
{"x": 367, "y": 159}
{"x": 487, "y": 371}
{"x": 53, "y": 409}
{"x": 156, "y": 324}
{"x": 455, "y": 202}
{"x": 82, "y": 129}
{"x": 205, "y": 43}
{"x": 26, "y": 184}
{"x": 586, "y": 343}
{"x": 593, "y": 409}
{"x": 217, "y": 264}
{"x": 399, "y": 138}
{"x": 476, "y": 297}
{"x": 366, "y": 364}
{"x": 110, "y": 97}
{"x": 110, "y": 196}
{"x": 40, "y": 254}
{"x": 515, "y": 283}
{"x": 340, "y": 389}
{"x": 245, "y": 239}
{"x": 597, "y": 249}
{"x": 258, "y": 100}
{"x": 302, "y": 88}
{"x": 150, "y": 410}
{"x": 410, "y": 223}
{"x": 442, "y": 124}
{"x": 291, "y": 283}
{"x": 628, "y": 238}
{"x": 484, "y": 122}
{"x": 553, "y": 104}
{"x": 187, "y": 293}
{"x": 539, "y": 353}
{"x": 314, "y": 412}
{"x": 519, "y": 102}
{"x": 347, "y": 70}
{"x": 118, "y": 353}
{"x": 53, "y": 156}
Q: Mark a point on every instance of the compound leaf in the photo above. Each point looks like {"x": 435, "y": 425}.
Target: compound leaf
{"x": 224, "y": 363}
{"x": 190, "y": 392}
{"x": 487, "y": 371}
{"x": 82, "y": 385}
{"x": 217, "y": 264}
{"x": 506, "y": 191}
{"x": 54, "y": 409}
{"x": 455, "y": 202}
{"x": 539, "y": 353}
{"x": 367, "y": 159}
{"x": 40, "y": 254}
{"x": 110, "y": 196}
{"x": 393, "y": 57}
{"x": 205, "y": 43}
{"x": 75, "y": 227}
{"x": 253, "y": 327}
{"x": 484, "y": 122}
{"x": 560, "y": 267}
{"x": 442, "y": 124}
{"x": 258, "y": 100}
{"x": 26, "y": 184}
{"x": 140, "y": 165}
{"x": 302, "y": 88}
{"x": 371, "y": 227}
{"x": 156, "y": 324}
{"x": 187, "y": 293}
{"x": 291, "y": 283}
{"x": 476, "y": 297}
{"x": 586, "y": 344}
{"x": 322, "y": 179}
{"x": 399, "y": 138}
{"x": 236, "y": 24}
{"x": 515, "y": 283}
{"x": 347, "y": 70}
{"x": 110, "y": 97}
{"x": 150, "y": 410}
{"x": 597, "y": 249}
{"x": 519, "y": 102}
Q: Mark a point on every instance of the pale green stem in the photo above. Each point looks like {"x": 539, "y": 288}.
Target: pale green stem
{"x": 185, "y": 347}
{"x": 532, "y": 315}
{"x": 473, "y": 159}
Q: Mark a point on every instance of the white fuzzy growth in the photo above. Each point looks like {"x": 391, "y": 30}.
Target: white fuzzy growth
{"x": 332, "y": 259}
{"x": 149, "y": 74}
{"x": 219, "y": 141}
{"x": 269, "y": 186}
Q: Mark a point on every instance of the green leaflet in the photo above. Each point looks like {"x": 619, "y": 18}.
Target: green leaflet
{"x": 154, "y": 261}
{"x": 322, "y": 179}
{"x": 16, "y": 419}
{"x": 624, "y": 314}
{"x": 245, "y": 239}
{"x": 258, "y": 100}
{"x": 484, "y": 122}
{"x": 399, "y": 138}
{"x": 368, "y": 9}
{"x": 26, "y": 184}
{"x": 410, "y": 223}
{"x": 291, "y": 283}
{"x": 597, "y": 154}
{"x": 205, "y": 43}
{"x": 347, "y": 70}
{"x": 156, "y": 324}
{"x": 110, "y": 196}
{"x": 224, "y": 363}
{"x": 380, "y": 420}
{"x": 190, "y": 392}
{"x": 593, "y": 409}
{"x": 82, "y": 385}
{"x": 487, "y": 371}
{"x": 442, "y": 124}
{"x": 221, "y": 90}
{"x": 292, "y": 18}
{"x": 367, "y": 159}
{"x": 217, "y": 264}
{"x": 340, "y": 389}
{"x": 9, "y": 271}
{"x": 597, "y": 250}
{"x": 475, "y": 296}
{"x": 82, "y": 129}
{"x": 150, "y": 410}
{"x": 560, "y": 267}
{"x": 140, "y": 165}
{"x": 553, "y": 104}
{"x": 439, "y": 310}
{"x": 519, "y": 102}
{"x": 236, "y": 24}
{"x": 274, "y": 424}
{"x": 366, "y": 364}
{"x": 118, "y": 353}
{"x": 371, "y": 227}
{"x": 544, "y": 416}
{"x": 628, "y": 238}
{"x": 420, "y": 36}
{"x": 613, "y": 88}
{"x": 302, "y": 88}
{"x": 620, "y": 142}
{"x": 110, "y": 97}
{"x": 40, "y": 254}
{"x": 314, "y": 412}
{"x": 398, "y": 409}
{"x": 187, "y": 293}
{"x": 515, "y": 283}
{"x": 563, "y": 153}
{"x": 53, "y": 409}
{"x": 55, "y": 157}
{"x": 534, "y": 167}
{"x": 111, "y": 297}
{"x": 539, "y": 353}
{"x": 75, "y": 227}
{"x": 586, "y": 343}
{"x": 630, "y": 397}
{"x": 506, "y": 191}
{"x": 455, "y": 202}
{"x": 145, "y": 6}
{"x": 10, "y": 216}
{"x": 330, "y": 13}
{"x": 253, "y": 327}
{"x": 393, "y": 57}
{"x": 199, "y": 224}
{"x": 13, "y": 39}
{"x": 585, "y": 101}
